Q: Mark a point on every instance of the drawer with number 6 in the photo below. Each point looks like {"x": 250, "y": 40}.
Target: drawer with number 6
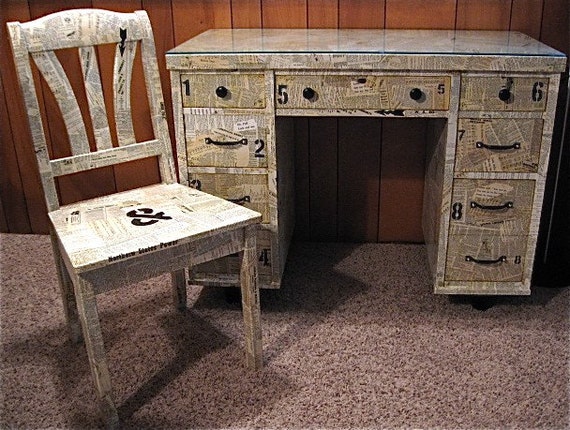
{"x": 503, "y": 93}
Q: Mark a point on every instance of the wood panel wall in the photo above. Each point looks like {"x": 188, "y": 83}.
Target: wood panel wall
{"x": 356, "y": 179}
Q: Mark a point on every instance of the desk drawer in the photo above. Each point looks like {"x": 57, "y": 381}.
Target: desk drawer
{"x": 485, "y": 258}
{"x": 362, "y": 92}
{"x": 500, "y": 206}
{"x": 226, "y": 140}
{"x": 224, "y": 267}
{"x": 249, "y": 190}
{"x": 503, "y": 93}
{"x": 223, "y": 90}
{"x": 498, "y": 145}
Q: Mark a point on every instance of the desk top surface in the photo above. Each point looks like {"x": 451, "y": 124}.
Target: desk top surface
{"x": 432, "y": 49}
{"x": 267, "y": 41}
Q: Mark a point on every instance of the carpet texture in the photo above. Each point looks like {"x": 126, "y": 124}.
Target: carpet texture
{"x": 353, "y": 339}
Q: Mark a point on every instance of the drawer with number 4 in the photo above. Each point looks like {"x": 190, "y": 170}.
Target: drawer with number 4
{"x": 226, "y": 140}
{"x": 503, "y": 93}
{"x": 230, "y": 265}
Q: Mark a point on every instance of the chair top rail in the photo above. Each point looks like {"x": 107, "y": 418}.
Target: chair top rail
{"x": 84, "y": 27}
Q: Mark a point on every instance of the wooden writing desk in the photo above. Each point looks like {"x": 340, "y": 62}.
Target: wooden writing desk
{"x": 490, "y": 97}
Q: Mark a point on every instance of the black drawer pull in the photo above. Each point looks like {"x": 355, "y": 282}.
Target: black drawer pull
{"x": 507, "y": 205}
{"x": 230, "y": 143}
{"x": 515, "y": 145}
{"x": 309, "y": 94}
{"x": 505, "y": 95}
{"x": 501, "y": 259}
{"x": 222, "y": 92}
{"x": 416, "y": 94}
{"x": 241, "y": 201}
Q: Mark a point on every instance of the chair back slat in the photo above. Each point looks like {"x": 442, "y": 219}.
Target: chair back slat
{"x": 95, "y": 98}
{"x": 122, "y": 75}
{"x": 85, "y": 29}
{"x": 104, "y": 158}
{"x": 56, "y": 78}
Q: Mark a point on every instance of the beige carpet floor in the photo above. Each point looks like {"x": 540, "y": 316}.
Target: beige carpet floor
{"x": 353, "y": 339}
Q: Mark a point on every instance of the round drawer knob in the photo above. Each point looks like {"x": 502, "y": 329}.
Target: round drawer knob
{"x": 505, "y": 95}
{"x": 416, "y": 94}
{"x": 222, "y": 92}
{"x": 309, "y": 93}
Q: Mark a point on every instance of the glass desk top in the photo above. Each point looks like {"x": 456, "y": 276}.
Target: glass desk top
{"x": 361, "y": 41}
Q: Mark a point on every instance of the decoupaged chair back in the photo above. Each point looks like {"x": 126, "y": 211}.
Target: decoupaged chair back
{"x": 117, "y": 240}
{"x": 39, "y": 40}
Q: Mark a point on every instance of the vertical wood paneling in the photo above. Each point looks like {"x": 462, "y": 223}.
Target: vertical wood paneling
{"x": 483, "y": 14}
{"x": 359, "y": 149}
{"x": 322, "y": 13}
{"x": 555, "y": 24}
{"x": 246, "y": 13}
{"x": 284, "y": 14}
{"x": 320, "y": 175}
{"x": 361, "y": 13}
{"x": 11, "y": 187}
{"x": 302, "y": 180}
{"x": 421, "y": 14}
{"x": 323, "y": 174}
{"x": 402, "y": 180}
{"x": 192, "y": 17}
{"x": 160, "y": 15}
{"x": 527, "y": 17}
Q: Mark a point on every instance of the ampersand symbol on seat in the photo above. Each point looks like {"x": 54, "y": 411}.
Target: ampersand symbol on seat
{"x": 137, "y": 214}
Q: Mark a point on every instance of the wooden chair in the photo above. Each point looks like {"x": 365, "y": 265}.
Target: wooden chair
{"x": 119, "y": 239}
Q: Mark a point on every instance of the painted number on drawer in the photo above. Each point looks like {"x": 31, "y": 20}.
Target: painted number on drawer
{"x": 504, "y": 93}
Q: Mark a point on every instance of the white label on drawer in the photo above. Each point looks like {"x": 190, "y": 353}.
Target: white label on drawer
{"x": 493, "y": 191}
{"x": 361, "y": 87}
{"x": 199, "y": 111}
{"x": 241, "y": 126}
{"x": 227, "y": 134}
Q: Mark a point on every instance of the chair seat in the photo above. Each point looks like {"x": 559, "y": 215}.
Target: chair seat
{"x": 105, "y": 230}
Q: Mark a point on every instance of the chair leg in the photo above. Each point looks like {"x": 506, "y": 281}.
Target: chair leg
{"x": 179, "y": 281}
{"x": 89, "y": 316}
{"x": 250, "y": 301}
{"x": 67, "y": 294}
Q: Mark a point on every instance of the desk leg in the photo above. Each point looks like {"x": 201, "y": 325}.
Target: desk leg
{"x": 250, "y": 301}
